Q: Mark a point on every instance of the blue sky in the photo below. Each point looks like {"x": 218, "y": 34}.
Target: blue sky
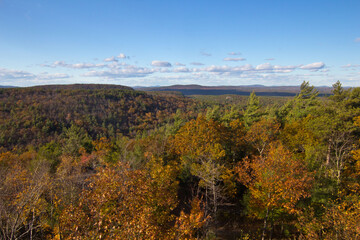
{"x": 148, "y": 43}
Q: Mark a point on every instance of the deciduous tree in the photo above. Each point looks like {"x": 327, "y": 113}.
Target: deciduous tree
{"x": 276, "y": 182}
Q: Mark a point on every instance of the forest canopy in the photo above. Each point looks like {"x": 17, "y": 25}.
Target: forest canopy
{"x": 105, "y": 162}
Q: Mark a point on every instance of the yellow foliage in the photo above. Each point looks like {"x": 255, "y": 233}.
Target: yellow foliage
{"x": 275, "y": 180}
{"x": 187, "y": 225}
{"x": 123, "y": 203}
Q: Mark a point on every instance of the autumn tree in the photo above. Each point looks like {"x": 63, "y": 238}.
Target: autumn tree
{"x": 276, "y": 182}
{"x": 122, "y": 203}
{"x": 340, "y": 217}
{"x": 333, "y": 128}
{"x": 22, "y": 203}
{"x": 262, "y": 133}
{"x": 299, "y": 138}
{"x": 201, "y": 145}
{"x": 188, "y": 225}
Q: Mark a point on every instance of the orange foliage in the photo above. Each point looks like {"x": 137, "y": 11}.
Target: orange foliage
{"x": 187, "y": 225}
{"x": 262, "y": 133}
{"x": 275, "y": 180}
{"x": 122, "y": 203}
{"x": 201, "y": 138}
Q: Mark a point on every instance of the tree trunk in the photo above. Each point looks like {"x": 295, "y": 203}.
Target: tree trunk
{"x": 338, "y": 170}
{"x": 328, "y": 154}
{"x": 206, "y": 199}
{"x": 265, "y": 224}
{"x": 271, "y": 230}
{"x": 214, "y": 197}
{"x": 32, "y": 225}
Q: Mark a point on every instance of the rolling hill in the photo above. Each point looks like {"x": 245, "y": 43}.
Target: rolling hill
{"x": 260, "y": 90}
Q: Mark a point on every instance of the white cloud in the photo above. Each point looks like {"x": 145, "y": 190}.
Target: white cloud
{"x": 122, "y": 56}
{"x": 264, "y": 66}
{"x": 15, "y": 76}
{"x": 246, "y": 67}
{"x": 197, "y": 63}
{"x": 8, "y": 74}
{"x": 179, "y": 64}
{"x": 59, "y": 63}
{"x": 218, "y": 69}
{"x": 291, "y": 67}
{"x": 110, "y": 59}
{"x": 116, "y": 65}
{"x": 156, "y": 63}
{"x": 181, "y": 69}
{"x": 47, "y": 76}
{"x": 270, "y": 59}
{"x": 249, "y": 69}
{"x": 234, "y": 59}
{"x": 75, "y": 65}
{"x": 234, "y": 53}
{"x": 284, "y": 69}
{"x": 313, "y": 66}
{"x": 351, "y": 66}
{"x": 163, "y": 70}
{"x": 85, "y": 65}
{"x": 225, "y": 70}
{"x": 126, "y": 72}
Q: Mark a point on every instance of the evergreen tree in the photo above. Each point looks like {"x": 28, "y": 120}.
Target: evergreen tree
{"x": 338, "y": 92}
{"x": 303, "y": 104}
{"x": 252, "y": 113}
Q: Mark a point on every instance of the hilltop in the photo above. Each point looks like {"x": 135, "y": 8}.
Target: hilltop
{"x": 82, "y": 86}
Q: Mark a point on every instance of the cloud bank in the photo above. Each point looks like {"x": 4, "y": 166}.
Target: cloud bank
{"x": 24, "y": 78}
{"x": 113, "y": 69}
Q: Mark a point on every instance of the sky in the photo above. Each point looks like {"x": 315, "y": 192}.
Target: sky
{"x": 161, "y": 43}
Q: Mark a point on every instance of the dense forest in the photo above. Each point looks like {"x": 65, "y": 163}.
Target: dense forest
{"x": 106, "y": 162}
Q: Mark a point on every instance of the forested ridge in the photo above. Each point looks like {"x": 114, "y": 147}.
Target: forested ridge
{"x": 39, "y": 115}
{"x": 97, "y": 162}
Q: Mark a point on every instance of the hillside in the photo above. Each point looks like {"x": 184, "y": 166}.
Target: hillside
{"x": 40, "y": 114}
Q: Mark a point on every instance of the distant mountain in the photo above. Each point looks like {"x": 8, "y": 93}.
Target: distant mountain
{"x": 260, "y": 90}
{"x": 7, "y": 86}
{"x": 83, "y": 87}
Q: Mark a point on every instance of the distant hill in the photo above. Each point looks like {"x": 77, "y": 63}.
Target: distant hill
{"x": 38, "y": 115}
{"x": 260, "y": 90}
{"x": 1, "y": 86}
{"x": 83, "y": 87}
